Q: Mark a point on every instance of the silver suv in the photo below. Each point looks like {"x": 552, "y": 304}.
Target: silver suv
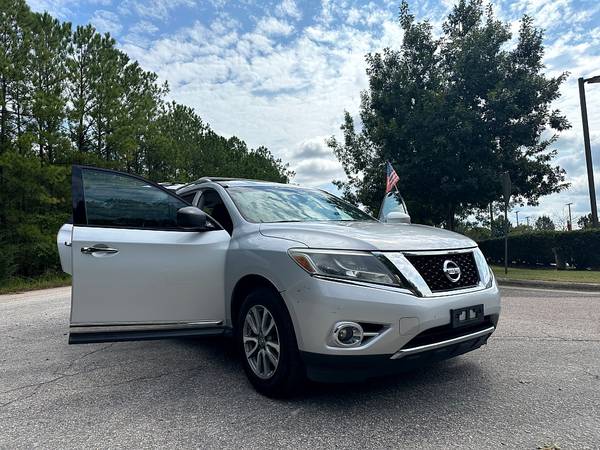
{"x": 307, "y": 284}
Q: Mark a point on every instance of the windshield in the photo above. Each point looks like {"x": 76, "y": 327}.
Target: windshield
{"x": 289, "y": 204}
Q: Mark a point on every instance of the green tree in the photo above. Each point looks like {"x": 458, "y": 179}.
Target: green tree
{"x": 75, "y": 98}
{"x": 107, "y": 92}
{"x": 585, "y": 222}
{"x": 15, "y": 38}
{"x": 181, "y": 147}
{"x": 47, "y": 74}
{"x": 452, "y": 114}
{"x": 139, "y": 105}
{"x": 82, "y": 70}
{"x": 522, "y": 228}
{"x": 500, "y": 226}
{"x": 544, "y": 223}
{"x": 35, "y": 197}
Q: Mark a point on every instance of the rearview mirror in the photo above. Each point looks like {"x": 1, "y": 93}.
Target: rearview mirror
{"x": 191, "y": 218}
{"x": 397, "y": 217}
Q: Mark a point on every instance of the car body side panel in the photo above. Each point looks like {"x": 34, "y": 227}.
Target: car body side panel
{"x": 63, "y": 241}
{"x": 251, "y": 253}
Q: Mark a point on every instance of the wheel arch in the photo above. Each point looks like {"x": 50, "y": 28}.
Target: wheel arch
{"x": 243, "y": 287}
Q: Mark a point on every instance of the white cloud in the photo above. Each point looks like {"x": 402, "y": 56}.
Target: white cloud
{"x": 288, "y": 97}
{"x": 272, "y": 26}
{"x": 154, "y": 9}
{"x": 312, "y": 162}
{"x": 354, "y": 16}
{"x": 143, "y": 27}
{"x": 141, "y": 33}
{"x": 106, "y": 22}
{"x": 550, "y": 14}
{"x": 288, "y": 8}
{"x": 62, "y": 9}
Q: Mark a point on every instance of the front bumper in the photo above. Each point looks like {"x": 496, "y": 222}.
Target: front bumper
{"x": 343, "y": 368}
{"x": 317, "y": 304}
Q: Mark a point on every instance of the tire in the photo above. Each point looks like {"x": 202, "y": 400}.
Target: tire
{"x": 287, "y": 375}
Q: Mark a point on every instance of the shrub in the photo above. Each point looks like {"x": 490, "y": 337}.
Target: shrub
{"x": 580, "y": 249}
{"x": 7, "y": 263}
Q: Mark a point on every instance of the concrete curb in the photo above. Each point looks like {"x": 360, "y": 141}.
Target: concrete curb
{"x": 564, "y": 285}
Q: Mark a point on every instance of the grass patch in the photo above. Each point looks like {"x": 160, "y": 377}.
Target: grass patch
{"x": 19, "y": 284}
{"x": 548, "y": 274}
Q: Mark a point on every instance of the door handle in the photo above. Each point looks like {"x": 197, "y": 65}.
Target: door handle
{"x": 92, "y": 250}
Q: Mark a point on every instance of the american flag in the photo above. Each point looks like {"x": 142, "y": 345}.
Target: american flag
{"x": 392, "y": 177}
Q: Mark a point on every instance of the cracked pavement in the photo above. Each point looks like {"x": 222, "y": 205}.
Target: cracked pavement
{"x": 536, "y": 382}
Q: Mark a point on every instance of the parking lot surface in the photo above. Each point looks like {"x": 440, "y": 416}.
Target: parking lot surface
{"x": 537, "y": 382}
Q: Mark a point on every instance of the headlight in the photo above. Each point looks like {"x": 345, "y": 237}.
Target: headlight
{"x": 346, "y": 265}
{"x": 485, "y": 272}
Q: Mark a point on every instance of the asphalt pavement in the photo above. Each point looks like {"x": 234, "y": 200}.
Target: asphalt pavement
{"x": 536, "y": 383}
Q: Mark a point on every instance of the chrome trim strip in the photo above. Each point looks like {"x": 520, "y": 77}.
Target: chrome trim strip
{"x": 439, "y": 252}
{"x": 409, "y": 272}
{"x": 370, "y": 333}
{"x": 115, "y": 328}
{"x": 423, "y": 348}
{"x": 479, "y": 287}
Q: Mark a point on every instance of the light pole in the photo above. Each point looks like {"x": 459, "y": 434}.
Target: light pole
{"x": 570, "y": 223}
{"x": 517, "y": 214}
{"x": 586, "y": 143}
{"x": 527, "y": 218}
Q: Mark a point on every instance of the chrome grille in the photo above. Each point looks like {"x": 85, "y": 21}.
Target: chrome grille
{"x": 431, "y": 268}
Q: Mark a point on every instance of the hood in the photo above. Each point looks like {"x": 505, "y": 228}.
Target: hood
{"x": 367, "y": 236}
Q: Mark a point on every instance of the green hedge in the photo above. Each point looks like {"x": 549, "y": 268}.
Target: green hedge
{"x": 580, "y": 249}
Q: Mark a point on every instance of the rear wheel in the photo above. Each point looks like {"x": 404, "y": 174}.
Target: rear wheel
{"x": 267, "y": 343}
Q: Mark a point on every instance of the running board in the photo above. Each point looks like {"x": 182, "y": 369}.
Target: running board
{"x": 96, "y": 334}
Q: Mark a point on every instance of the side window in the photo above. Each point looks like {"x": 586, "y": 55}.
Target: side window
{"x": 211, "y": 203}
{"x": 189, "y": 197}
{"x": 119, "y": 200}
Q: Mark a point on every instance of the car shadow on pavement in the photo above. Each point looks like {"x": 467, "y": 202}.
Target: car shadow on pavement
{"x": 446, "y": 379}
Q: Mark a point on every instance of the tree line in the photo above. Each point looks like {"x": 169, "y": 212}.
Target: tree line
{"x": 69, "y": 95}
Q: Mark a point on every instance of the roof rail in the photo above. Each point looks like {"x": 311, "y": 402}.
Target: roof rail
{"x": 217, "y": 179}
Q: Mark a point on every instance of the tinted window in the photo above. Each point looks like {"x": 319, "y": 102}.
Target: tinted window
{"x": 289, "y": 204}
{"x": 189, "y": 197}
{"x": 114, "y": 199}
{"x": 211, "y": 203}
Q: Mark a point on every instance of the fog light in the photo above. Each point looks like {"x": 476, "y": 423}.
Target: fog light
{"x": 347, "y": 334}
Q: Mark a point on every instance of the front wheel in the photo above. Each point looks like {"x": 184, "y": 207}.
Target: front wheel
{"x": 265, "y": 336}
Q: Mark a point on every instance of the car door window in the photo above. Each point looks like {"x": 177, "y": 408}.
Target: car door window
{"x": 212, "y": 204}
{"x": 189, "y": 197}
{"x": 118, "y": 200}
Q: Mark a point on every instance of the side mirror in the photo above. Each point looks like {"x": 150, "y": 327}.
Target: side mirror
{"x": 191, "y": 218}
{"x": 397, "y": 217}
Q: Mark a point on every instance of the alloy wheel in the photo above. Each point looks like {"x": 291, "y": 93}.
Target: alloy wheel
{"x": 261, "y": 341}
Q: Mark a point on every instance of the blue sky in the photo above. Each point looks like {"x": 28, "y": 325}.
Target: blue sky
{"x": 280, "y": 73}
